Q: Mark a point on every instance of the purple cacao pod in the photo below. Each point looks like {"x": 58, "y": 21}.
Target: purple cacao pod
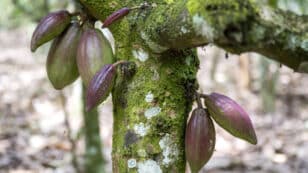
{"x": 100, "y": 86}
{"x": 115, "y": 16}
{"x": 50, "y": 27}
{"x": 230, "y": 116}
{"x": 94, "y": 51}
{"x": 61, "y": 61}
{"x": 199, "y": 139}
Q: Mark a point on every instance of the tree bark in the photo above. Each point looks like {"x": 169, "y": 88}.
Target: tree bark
{"x": 235, "y": 25}
{"x": 153, "y": 94}
{"x": 150, "y": 112}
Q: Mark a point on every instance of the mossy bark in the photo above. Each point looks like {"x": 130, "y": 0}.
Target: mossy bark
{"x": 151, "y": 104}
{"x": 153, "y": 93}
{"x": 235, "y": 25}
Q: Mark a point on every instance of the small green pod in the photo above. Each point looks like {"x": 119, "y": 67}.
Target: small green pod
{"x": 50, "y": 27}
{"x": 94, "y": 51}
{"x": 62, "y": 58}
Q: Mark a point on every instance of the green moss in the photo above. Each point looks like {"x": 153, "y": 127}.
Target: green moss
{"x": 172, "y": 90}
{"x": 98, "y": 8}
{"x": 172, "y": 95}
{"x": 221, "y": 14}
{"x": 227, "y": 23}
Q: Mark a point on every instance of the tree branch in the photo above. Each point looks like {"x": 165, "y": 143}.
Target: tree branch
{"x": 235, "y": 25}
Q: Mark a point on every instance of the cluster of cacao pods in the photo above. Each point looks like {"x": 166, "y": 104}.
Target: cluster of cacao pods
{"x": 200, "y": 131}
{"x": 78, "y": 48}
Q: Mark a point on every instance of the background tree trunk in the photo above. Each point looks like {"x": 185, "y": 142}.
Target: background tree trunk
{"x": 94, "y": 161}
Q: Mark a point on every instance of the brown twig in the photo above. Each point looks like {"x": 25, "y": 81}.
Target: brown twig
{"x": 198, "y": 99}
{"x": 119, "y": 62}
{"x": 203, "y": 95}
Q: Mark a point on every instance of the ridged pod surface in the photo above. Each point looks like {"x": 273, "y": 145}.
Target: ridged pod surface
{"x": 61, "y": 61}
{"x": 100, "y": 86}
{"x": 94, "y": 51}
{"x": 230, "y": 116}
{"x": 199, "y": 139}
{"x": 50, "y": 27}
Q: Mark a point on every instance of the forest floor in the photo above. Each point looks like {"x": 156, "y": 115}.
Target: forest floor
{"x": 34, "y": 136}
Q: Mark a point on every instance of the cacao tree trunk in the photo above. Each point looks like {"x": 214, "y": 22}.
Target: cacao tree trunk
{"x": 153, "y": 94}
{"x": 150, "y": 111}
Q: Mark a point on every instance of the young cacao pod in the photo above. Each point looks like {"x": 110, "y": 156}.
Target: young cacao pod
{"x": 117, "y": 15}
{"x": 50, "y": 27}
{"x": 61, "y": 61}
{"x": 199, "y": 139}
{"x": 230, "y": 116}
{"x": 94, "y": 51}
{"x": 100, "y": 86}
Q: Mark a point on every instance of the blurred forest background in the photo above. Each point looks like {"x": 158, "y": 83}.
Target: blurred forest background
{"x": 41, "y": 129}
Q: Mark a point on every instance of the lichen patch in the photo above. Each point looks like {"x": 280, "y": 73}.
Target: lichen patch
{"x": 141, "y": 129}
{"x": 268, "y": 14}
{"x": 155, "y": 76}
{"x": 142, "y": 153}
{"x": 293, "y": 42}
{"x": 131, "y": 163}
{"x": 141, "y": 55}
{"x": 304, "y": 45}
{"x": 184, "y": 30}
{"x": 203, "y": 28}
{"x": 169, "y": 149}
{"x": 149, "y": 166}
{"x": 149, "y": 97}
{"x": 151, "y": 112}
{"x": 153, "y": 45}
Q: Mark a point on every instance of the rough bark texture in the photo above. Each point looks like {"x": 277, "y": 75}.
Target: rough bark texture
{"x": 152, "y": 96}
{"x": 150, "y": 112}
{"x": 235, "y": 25}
